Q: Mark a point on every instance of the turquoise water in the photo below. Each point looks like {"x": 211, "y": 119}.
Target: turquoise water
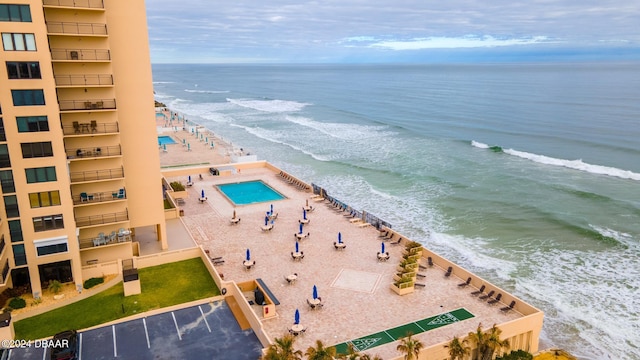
{"x": 165, "y": 140}
{"x": 249, "y": 192}
{"x": 527, "y": 175}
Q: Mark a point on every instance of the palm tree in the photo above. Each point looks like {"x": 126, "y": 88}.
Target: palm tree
{"x": 458, "y": 350}
{"x": 352, "y": 353}
{"x": 368, "y": 357}
{"x": 493, "y": 342}
{"x": 282, "y": 349}
{"x": 479, "y": 338}
{"x": 320, "y": 352}
{"x": 410, "y": 347}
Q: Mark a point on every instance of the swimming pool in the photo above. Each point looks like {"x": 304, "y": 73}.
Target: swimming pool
{"x": 165, "y": 140}
{"x": 249, "y": 192}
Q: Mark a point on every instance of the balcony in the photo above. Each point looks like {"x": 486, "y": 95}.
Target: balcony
{"x": 98, "y": 197}
{"x": 95, "y": 175}
{"x": 119, "y": 237}
{"x": 93, "y": 152}
{"x": 90, "y": 4}
{"x": 80, "y": 55}
{"x": 90, "y": 128}
{"x": 84, "y": 80}
{"x": 102, "y": 219}
{"x": 93, "y": 104}
{"x": 71, "y": 28}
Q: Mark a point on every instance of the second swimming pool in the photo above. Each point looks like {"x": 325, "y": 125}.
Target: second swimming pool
{"x": 249, "y": 192}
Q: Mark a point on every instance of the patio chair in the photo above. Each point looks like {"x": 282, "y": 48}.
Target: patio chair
{"x": 495, "y": 300}
{"x": 121, "y": 193}
{"x": 396, "y": 242}
{"x": 508, "y": 308}
{"x": 430, "y": 261}
{"x": 76, "y": 127}
{"x": 84, "y": 197}
{"x": 487, "y": 295}
{"x": 465, "y": 283}
{"x": 312, "y": 306}
{"x": 94, "y": 126}
{"x": 479, "y": 291}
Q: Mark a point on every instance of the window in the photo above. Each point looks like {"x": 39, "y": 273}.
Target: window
{"x": 43, "y": 174}
{"x": 50, "y": 222}
{"x": 2, "y": 243}
{"x": 19, "y": 256}
{"x": 6, "y": 179}
{"x": 27, "y": 97}
{"x": 5, "y": 271}
{"x": 19, "y": 42}
{"x": 15, "y": 231}
{"x": 23, "y": 70}
{"x": 11, "y": 206}
{"x": 20, "y": 13}
{"x": 32, "y": 123}
{"x": 3, "y": 136}
{"x": 51, "y": 246}
{"x": 44, "y": 199}
{"x": 37, "y": 149}
{"x": 4, "y": 156}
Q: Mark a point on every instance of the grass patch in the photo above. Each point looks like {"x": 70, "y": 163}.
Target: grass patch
{"x": 162, "y": 286}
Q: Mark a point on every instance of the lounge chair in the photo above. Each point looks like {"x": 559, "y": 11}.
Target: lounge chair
{"x": 449, "y": 271}
{"x": 383, "y": 233}
{"x": 479, "y": 291}
{"x": 396, "y": 242}
{"x": 495, "y": 300}
{"x": 487, "y": 295}
{"x": 510, "y": 307}
{"x": 420, "y": 275}
{"x": 465, "y": 283}
{"x": 430, "y": 261}
{"x": 419, "y": 285}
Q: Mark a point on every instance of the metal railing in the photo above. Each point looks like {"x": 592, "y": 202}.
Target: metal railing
{"x": 89, "y": 128}
{"x": 76, "y": 28}
{"x": 101, "y": 219}
{"x": 81, "y": 54}
{"x": 106, "y": 174}
{"x": 84, "y": 80}
{"x": 97, "y": 197}
{"x": 93, "y": 152}
{"x": 93, "y": 104}
{"x": 96, "y": 241}
{"x": 92, "y": 4}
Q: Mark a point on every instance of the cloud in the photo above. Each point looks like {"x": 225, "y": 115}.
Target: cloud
{"x": 470, "y": 41}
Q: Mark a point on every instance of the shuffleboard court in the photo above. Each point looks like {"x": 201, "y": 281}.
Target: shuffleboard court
{"x": 416, "y": 327}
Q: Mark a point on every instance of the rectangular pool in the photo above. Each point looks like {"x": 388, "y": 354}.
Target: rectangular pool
{"x": 165, "y": 140}
{"x": 249, "y": 192}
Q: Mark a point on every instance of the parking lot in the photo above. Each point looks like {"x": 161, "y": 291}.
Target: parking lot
{"x": 207, "y": 331}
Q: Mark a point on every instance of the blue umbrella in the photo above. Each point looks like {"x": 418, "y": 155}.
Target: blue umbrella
{"x": 266, "y": 220}
{"x": 304, "y": 214}
{"x": 248, "y": 255}
{"x": 296, "y": 317}
{"x": 382, "y": 248}
{"x": 315, "y": 292}
{"x": 300, "y": 228}
{"x": 272, "y": 208}
{"x": 189, "y": 178}
{"x": 297, "y": 248}
{"x": 202, "y": 193}
{"x": 340, "y": 238}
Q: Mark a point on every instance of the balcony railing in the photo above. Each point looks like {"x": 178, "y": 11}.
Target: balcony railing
{"x": 102, "y": 219}
{"x": 106, "y": 174}
{"x": 56, "y": 27}
{"x": 93, "y": 104}
{"x": 119, "y": 238}
{"x": 84, "y": 80}
{"x": 81, "y": 54}
{"x": 91, "y": 128}
{"x": 81, "y": 153}
{"x": 97, "y": 197}
{"x": 93, "y": 4}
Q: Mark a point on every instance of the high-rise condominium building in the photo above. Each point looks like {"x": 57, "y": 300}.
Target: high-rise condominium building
{"x": 79, "y": 164}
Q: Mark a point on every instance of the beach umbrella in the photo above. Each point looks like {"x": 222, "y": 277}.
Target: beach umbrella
{"x": 202, "y": 194}
{"x": 382, "y": 249}
{"x": 189, "y": 178}
{"x": 271, "y": 208}
{"x": 234, "y": 214}
{"x": 266, "y": 220}
{"x": 296, "y": 317}
{"x": 304, "y": 214}
{"x": 297, "y": 247}
{"x": 248, "y": 257}
{"x": 300, "y": 228}
{"x": 340, "y": 238}
{"x": 315, "y": 292}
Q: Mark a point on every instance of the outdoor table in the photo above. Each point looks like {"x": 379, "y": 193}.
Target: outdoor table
{"x": 297, "y": 255}
{"x": 248, "y": 264}
{"x": 340, "y": 246}
{"x": 304, "y": 221}
{"x": 315, "y": 301}
{"x": 235, "y": 220}
{"x": 301, "y": 236}
{"x": 296, "y": 328}
{"x": 383, "y": 256}
{"x": 292, "y": 278}
{"x": 202, "y": 199}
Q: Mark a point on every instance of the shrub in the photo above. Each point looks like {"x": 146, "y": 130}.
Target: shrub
{"x": 89, "y": 283}
{"x": 177, "y": 186}
{"x": 55, "y": 286}
{"x": 17, "y": 303}
{"x": 516, "y": 355}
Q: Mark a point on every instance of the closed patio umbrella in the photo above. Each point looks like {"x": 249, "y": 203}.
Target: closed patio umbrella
{"x": 297, "y": 247}
{"x": 189, "y": 178}
{"x": 271, "y": 208}
{"x": 266, "y": 220}
{"x": 202, "y": 194}
{"x": 315, "y": 292}
{"x": 234, "y": 214}
{"x": 248, "y": 256}
{"x": 300, "y": 228}
{"x": 296, "y": 317}
{"x": 382, "y": 252}
{"x": 339, "y": 238}
{"x": 304, "y": 214}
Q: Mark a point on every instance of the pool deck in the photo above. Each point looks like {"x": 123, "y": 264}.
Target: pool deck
{"x": 354, "y": 286}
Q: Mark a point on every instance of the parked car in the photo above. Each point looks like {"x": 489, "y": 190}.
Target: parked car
{"x": 64, "y": 345}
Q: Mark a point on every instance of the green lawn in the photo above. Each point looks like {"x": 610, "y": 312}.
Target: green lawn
{"x": 162, "y": 286}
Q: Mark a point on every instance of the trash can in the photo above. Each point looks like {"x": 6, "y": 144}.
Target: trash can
{"x": 181, "y": 212}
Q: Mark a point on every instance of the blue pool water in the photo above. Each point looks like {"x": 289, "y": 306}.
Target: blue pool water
{"x": 249, "y": 192}
{"x": 165, "y": 140}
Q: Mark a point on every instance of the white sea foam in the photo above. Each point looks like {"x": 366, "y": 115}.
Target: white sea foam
{"x": 273, "y": 106}
{"x": 164, "y": 82}
{"x": 207, "y": 91}
{"x": 479, "y": 144}
{"x": 343, "y": 131}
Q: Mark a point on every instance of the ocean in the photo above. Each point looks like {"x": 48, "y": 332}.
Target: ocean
{"x": 526, "y": 174}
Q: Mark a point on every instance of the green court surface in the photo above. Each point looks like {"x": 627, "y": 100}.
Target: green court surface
{"x": 416, "y": 327}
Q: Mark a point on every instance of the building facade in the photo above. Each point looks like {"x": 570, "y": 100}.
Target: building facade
{"x": 76, "y": 125}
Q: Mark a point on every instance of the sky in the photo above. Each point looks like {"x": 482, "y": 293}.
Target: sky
{"x": 392, "y": 31}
